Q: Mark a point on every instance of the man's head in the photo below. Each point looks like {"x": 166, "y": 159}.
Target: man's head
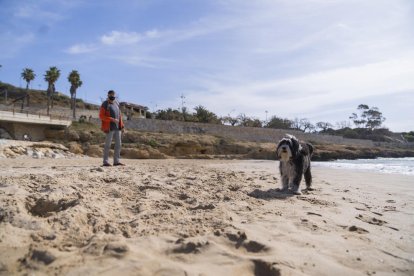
{"x": 111, "y": 95}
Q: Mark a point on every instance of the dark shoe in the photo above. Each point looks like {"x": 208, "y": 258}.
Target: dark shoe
{"x": 106, "y": 165}
{"x": 119, "y": 164}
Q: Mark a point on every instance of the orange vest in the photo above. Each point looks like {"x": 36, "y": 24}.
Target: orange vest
{"x": 105, "y": 117}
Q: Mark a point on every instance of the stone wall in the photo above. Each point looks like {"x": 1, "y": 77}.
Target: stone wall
{"x": 237, "y": 133}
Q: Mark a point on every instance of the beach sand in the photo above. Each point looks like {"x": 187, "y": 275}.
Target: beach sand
{"x": 200, "y": 217}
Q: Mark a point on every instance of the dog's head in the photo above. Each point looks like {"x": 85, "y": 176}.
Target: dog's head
{"x": 287, "y": 148}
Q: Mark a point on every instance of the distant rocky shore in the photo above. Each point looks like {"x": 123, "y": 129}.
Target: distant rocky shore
{"x": 87, "y": 139}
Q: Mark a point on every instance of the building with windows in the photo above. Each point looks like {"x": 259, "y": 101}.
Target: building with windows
{"x": 131, "y": 110}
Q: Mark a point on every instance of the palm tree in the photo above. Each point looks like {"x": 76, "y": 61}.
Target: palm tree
{"x": 28, "y": 75}
{"x": 75, "y": 81}
{"x": 51, "y": 76}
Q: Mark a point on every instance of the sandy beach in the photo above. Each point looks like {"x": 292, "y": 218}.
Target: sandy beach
{"x": 200, "y": 217}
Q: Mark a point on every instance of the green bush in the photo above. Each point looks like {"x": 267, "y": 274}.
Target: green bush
{"x": 409, "y": 136}
{"x": 152, "y": 143}
{"x": 350, "y": 133}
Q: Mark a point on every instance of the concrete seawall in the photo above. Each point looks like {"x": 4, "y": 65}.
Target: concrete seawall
{"x": 20, "y": 124}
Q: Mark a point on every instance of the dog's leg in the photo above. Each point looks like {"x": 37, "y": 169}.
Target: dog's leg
{"x": 284, "y": 176}
{"x": 308, "y": 179}
{"x": 297, "y": 179}
{"x": 285, "y": 183}
{"x": 296, "y": 184}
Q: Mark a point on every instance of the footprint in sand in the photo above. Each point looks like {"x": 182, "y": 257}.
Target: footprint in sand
{"x": 389, "y": 208}
{"x": 308, "y": 224}
{"x": 241, "y": 242}
{"x": 357, "y": 229}
{"x": 313, "y": 214}
{"x": 189, "y": 247}
{"x": 255, "y": 247}
{"x": 262, "y": 268}
{"x": 44, "y": 207}
{"x": 116, "y": 249}
{"x": 40, "y": 256}
{"x": 315, "y": 201}
{"x": 203, "y": 207}
{"x": 371, "y": 220}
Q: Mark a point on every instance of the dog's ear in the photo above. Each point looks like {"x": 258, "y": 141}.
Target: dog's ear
{"x": 278, "y": 147}
{"x": 295, "y": 146}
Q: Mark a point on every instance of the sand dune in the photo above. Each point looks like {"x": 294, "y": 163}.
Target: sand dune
{"x": 199, "y": 217}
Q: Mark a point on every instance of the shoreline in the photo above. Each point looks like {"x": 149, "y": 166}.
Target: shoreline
{"x": 212, "y": 217}
{"x": 167, "y": 146}
{"x": 396, "y": 166}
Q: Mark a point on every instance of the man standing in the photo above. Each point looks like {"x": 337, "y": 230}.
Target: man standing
{"x": 112, "y": 125}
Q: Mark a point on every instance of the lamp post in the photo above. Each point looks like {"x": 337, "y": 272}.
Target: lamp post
{"x": 182, "y": 102}
{"x": 5, "y": 92}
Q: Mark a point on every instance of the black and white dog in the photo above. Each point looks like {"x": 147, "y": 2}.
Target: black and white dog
{"x": 295, "y": 161}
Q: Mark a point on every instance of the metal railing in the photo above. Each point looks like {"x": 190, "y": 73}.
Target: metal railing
{"x": 30, "y": 111}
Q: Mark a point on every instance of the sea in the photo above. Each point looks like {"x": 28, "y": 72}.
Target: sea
{"x": 382, "y": 165}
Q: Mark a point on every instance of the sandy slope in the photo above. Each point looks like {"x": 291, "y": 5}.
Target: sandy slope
{"x": 198, "y": 217}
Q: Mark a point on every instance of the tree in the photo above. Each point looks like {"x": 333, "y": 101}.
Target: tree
{"x": 75, "y": 83}
{"x": 184, "y": 112}
{"x": 303, "y": 125}
{"x": 169, "y": 114}
{"x": 205, "y": 116}
{"x": 254, "y": 122}
{"x": 279, "y": 123}
{"x": 323, "y": 126}
{"x": 360, "y": 120}
{"x": 369, "y": 118}
{"x": 51, "y": 76}
{"x": 374, "y": 118}
{"x": 231, "y": 120}
{"x": 343, "y": 124}
{"x": 307, "y": 125}
{"x": 246, "y": 121}
{"x": 186, "y": 116}
{"x": 28, "y": 75}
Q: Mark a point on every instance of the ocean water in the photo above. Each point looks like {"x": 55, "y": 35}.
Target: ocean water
{"x": 382, "y": 165}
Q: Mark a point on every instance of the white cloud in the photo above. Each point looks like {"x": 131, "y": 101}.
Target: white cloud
{"x": 144, "y": 60}
{"x": 38, "y": 11}
{"x": 46, "y": 10}
{"x": 130, "y": 48}
{"x": 304, "y": 96}
{"x": 120, "y": 38}
{"x": 152, "y": 33}
{"x": 81, "y": 49}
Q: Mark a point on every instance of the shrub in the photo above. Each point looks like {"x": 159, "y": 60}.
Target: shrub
{"x": 152, "y": 143}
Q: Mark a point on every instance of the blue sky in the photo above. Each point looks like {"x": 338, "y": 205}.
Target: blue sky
{"x": 314, "y": 59}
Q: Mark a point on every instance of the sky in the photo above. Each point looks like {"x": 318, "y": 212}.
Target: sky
{"x": 314, "y": 59}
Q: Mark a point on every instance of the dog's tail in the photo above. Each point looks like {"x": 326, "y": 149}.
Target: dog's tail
{"x": 307, "y": 149}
